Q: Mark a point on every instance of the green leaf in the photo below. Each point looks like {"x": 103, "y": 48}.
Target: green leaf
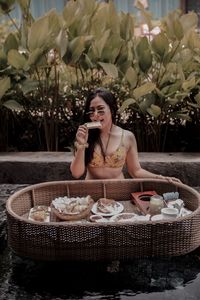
{"x": 159, "y": 93}
{"x": 142, "y": 45}
{"x": 194, "y": 105}
{"x": 172, "y": 88}
{"x": 62, "y": 43}
{"x": 110, "y": 69}
{"x": 126, "y": 26}
{"x": 181, "y": 115}
{"x": 181, "y": 74}
{"x": 34, "y": 57}
{"x": 17, "y": 60}
{"x": 99, "y": 44}
{"x": 3, "y": 59}
{"x": 29, "y": 85}
{"x": 4, "y": 85}
{"x": 99, "y": 21}
{"x": 70, "y": 12}
{"x": 87, "y": 7}
{"x": 77, "y": 47}
{"x": 113, "y": 18}
{"x": 154, "y": 110}
{"x": 168, "y": 75}
{"x": 88, "y": 61}
{"x": 125, "y": 104}
{"x": 112, "y": 48}
{"x": 11, "y": 42}
{"x": 44, "y": 32}
{"x": 131, "y": 77}
{"x": 188, "y": 21}
{"x": 197, "y": 99}
{"x": 160, "y": 44}
{"x": 146, "y": 102}
{"x": 172, "y": 101}
{"x": 196, "y": 58}
{"x": 189, "y": 84}
{"x": 194, "y": 41}
{"x": 145, "y": 60}
{"x": 144, "y": 54}
{"x": 13, "y": 105}
{"x": 178, "y": 29}
{"x": 144, "y": 90}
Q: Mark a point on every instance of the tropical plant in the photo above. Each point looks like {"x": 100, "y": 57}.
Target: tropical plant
{"x": 43, "y": 61}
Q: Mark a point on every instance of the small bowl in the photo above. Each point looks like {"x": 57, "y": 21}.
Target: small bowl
{"x": 169, "y": 213}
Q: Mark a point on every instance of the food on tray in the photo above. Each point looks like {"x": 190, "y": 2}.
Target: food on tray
{"x": 40, "y": 213}
{"x": 129, "y": 217}
{"x": 97, "y": 219}
{"x": 105, "y": 205}
{"x": 71, "y": 206}
{"x": 124, "y": 217}
{"x": 92, "y": 125}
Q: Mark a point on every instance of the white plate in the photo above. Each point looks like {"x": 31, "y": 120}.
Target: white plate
{"x": 124, "y": 217}
{"x": 118, "y": 210}
{"x": 157, "y": 218}
{"x": 101, "y": 219}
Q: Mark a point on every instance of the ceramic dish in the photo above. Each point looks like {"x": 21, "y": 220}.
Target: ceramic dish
{"x": 116, "y": 210}
{"x": 124, "y": 217}
{"x": 98, "y": 219}
{"x": 157, "y": 217}
{"x": 40, "y": 213}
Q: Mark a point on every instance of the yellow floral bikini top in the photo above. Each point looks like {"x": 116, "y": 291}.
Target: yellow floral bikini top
{"x": 115, "y": 160}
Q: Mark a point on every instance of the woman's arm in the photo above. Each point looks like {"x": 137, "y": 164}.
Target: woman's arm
{"x": 77, "y": 166}
{"x": 133, "y": 164}
{"x": 132, "y": 160}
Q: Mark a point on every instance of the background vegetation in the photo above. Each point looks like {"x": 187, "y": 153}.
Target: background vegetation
{"x": 48, "y": 65}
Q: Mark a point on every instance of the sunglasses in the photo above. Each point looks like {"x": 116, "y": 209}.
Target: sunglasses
{"x": 99, "y": 112}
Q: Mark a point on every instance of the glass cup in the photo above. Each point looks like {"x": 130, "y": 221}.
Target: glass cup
{"x": 156, "y": 204}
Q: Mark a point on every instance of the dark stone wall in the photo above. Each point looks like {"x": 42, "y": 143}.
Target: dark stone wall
{"x": 29, "y": 168}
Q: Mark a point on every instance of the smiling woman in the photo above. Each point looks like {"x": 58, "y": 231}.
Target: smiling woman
{"x": 103, "y": 152}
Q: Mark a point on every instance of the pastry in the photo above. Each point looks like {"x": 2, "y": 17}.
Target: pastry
{"x": 40, "y": 213}
{"x": 105, "y": 205}
{"x": 72, "y": 208}
{"x": 92, "y": 125}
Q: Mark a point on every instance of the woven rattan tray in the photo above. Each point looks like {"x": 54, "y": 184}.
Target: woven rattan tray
{"x": 100, "y": 241}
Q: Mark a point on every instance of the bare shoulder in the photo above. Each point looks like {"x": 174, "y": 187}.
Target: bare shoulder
{"x": 129, "y": 139}
{"x": 129, "y": 135}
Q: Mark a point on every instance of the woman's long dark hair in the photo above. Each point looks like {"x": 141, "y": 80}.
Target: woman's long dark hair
{"x": 94, "y": 134}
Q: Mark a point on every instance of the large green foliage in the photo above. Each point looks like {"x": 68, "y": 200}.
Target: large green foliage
{"x": 90, "y": 42}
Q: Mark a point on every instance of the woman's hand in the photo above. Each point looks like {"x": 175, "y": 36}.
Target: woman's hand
{"x": 173, "y": 179}
{"x": 82, "y": 135}
{"x": 170, "y": 179}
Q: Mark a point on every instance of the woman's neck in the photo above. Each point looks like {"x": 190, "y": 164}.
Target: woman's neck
{"x": 107, "y": 130}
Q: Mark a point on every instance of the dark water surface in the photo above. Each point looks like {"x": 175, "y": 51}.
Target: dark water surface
{"x": 176, "y": 278}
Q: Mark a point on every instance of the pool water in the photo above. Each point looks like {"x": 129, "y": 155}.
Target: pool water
{"x": 175, "y": 278}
